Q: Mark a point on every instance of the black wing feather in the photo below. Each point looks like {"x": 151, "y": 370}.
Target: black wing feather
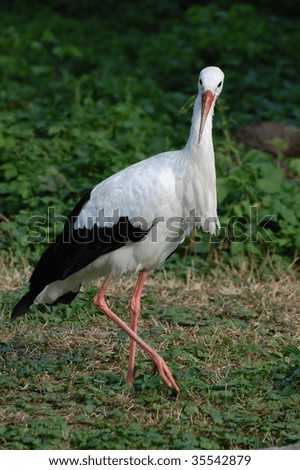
{"x": 73, "y": 250}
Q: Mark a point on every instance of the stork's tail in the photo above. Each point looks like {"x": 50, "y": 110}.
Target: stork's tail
{"x": 23, "y": 305}
{"x": 28, "y": 299}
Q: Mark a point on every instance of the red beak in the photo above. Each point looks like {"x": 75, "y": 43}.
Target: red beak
{"x": 207, "y": 101}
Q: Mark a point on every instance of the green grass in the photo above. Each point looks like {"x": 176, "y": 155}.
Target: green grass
{"x": 231, "y": 346}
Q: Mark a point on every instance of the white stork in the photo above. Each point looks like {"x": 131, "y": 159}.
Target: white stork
{"x": 132, "y": 221}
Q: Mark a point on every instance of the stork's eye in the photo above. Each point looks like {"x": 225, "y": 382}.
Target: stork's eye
{"x": 219, "y": 84}
{"x": 200, "y": 81}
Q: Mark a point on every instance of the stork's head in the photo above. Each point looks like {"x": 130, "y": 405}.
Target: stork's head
{"x": 210, "y": 85}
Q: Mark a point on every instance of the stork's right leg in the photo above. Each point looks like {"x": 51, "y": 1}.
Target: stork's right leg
{"x": 99, "y": 302}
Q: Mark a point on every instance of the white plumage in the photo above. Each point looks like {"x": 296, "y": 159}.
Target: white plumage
{"x": 164, "y": 196}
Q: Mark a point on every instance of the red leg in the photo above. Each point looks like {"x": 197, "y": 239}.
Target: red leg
{"x": 104, "y": 287}
{"x": 135, "y": 308}
{"x": 163, "y": 369}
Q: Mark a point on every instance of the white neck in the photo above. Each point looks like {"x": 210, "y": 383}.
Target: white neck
{"x": 200, "y": 175}
{"x": 205, "y": 148}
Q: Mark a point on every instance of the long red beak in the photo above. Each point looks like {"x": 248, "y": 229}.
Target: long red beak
{"x": 207, "y": 101}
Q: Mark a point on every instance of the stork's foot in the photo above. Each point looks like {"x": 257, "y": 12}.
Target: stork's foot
{"x": 165, "y": 372}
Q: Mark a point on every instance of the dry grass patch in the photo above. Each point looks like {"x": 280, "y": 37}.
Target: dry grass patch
{"x": 231, "y": 345}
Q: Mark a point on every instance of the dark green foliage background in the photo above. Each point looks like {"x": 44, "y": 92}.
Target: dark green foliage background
{"x": 91, "y": 88}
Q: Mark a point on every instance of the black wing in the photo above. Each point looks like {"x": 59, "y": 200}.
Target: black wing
{"x": 73, "y": 250}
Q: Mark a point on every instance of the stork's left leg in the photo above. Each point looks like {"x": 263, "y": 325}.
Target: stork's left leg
{"x": 135, "y": 308}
